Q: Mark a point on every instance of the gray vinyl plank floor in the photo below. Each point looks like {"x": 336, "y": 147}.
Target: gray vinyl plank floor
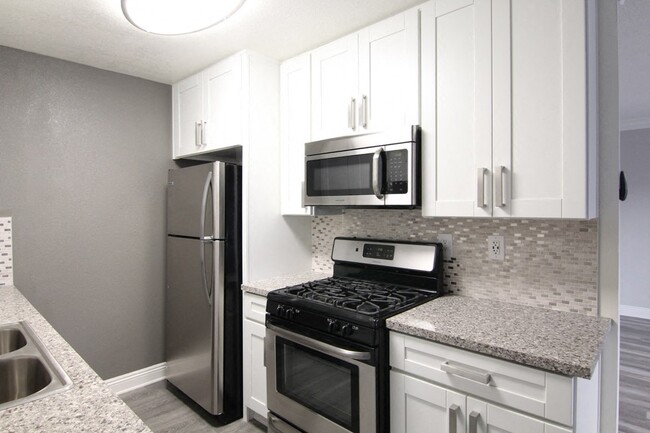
{"x": 166, "y": 410}
{"x": 634, "y": 381}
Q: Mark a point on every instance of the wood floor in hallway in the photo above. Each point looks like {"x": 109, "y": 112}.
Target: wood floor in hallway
{"x": 166, "y": 410}
{"x": 634, "y": 382}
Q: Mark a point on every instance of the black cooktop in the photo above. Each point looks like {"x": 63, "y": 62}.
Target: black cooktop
{"x": 369, "y": 298}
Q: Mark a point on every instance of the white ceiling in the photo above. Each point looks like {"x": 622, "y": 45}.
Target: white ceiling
{"x": 95, "y": 33}
{"x": 634, "y": 63}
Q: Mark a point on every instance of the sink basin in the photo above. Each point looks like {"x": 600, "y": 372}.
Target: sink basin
{"x": 21, "y": 377}
{"x": 27, "y": 369}
{"x": 11, "y": 339}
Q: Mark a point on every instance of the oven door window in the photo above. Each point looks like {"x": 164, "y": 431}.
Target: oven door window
{"x": 345, "y": 175}
{"x": 326, "y": 385}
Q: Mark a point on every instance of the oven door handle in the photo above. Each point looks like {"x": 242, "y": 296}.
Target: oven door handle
{"x": 325, "y": 348}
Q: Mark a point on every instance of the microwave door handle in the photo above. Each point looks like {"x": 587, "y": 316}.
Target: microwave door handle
{"x": 376, "y": 169}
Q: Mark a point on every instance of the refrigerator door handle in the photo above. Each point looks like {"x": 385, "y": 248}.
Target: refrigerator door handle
{"x": 204, "y": 202}
{"x": 219, "y": 314}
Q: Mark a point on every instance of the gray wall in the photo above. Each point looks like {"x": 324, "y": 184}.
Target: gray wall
{"x": 83, "y": 160}
{"x": 635, "y": 219}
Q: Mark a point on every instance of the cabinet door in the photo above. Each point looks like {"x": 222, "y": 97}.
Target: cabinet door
{"x": 539, "y": 55}
{"x": 389, "y": 73}
{"x": 187, "y": 111}
{"x": 484, "y": 417}
{"x": 253, "y": 366}
{"x": 421, "y": 407}
{"x": 456, "y": 108}
{"x": 222, "y": 88}
{"x": 295, "y": 131}
{"x": 335, "y": 69}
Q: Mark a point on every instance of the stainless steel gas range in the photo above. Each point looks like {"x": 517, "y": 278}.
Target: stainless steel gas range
{"x": 326, "y": 348}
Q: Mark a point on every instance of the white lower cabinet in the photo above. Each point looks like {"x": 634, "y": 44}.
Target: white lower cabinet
{"x": 441, "y": 389}
{"x": 418, "y": 406}
{"x": 254, "y": 380}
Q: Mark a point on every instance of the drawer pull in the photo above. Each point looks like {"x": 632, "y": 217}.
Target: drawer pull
{"x": 468, "y": 373}
{"x": 453, "y": 415}
{"x": 473, "y": 422}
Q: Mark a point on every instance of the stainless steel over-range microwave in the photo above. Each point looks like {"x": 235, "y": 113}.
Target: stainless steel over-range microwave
{"x": 369, "y": 170}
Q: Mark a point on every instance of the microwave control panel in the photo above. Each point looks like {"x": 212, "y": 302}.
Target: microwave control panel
{"x": 397, "y": 172}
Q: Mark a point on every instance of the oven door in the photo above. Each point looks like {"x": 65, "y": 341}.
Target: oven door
{"x": 319, "y": 387}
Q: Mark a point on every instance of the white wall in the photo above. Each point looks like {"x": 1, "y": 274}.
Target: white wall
{"x": 635, "y": 223}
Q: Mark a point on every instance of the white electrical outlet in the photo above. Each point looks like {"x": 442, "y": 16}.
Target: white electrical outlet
{"x": 496, "y": 247}
{"x": 447, "y": 246}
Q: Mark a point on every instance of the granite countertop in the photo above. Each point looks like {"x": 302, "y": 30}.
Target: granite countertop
{"x": 89, "y": 406}
{"x": 263, "y": 287}
{"x": 559, "y": 342}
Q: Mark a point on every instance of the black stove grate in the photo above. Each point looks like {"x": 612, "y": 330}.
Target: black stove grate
{"x": 365, "y": 297}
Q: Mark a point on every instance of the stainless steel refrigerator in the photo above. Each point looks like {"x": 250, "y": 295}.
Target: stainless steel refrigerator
{"x": 203, "y": 296}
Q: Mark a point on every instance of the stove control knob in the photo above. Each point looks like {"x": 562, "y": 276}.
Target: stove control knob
{"x": 280, "y": 310}
{"x": 333, "y": 325}
{"x": 289, "y": 313}
{"x": 346, "y": 330}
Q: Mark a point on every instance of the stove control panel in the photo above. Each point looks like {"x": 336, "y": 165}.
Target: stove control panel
{"x": 340, "y": 327}
{"x": 286, "y": 312}
{"x": 412, "y": 256}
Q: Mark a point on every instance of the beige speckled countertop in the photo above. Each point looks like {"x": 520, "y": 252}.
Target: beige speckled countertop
{"x": 263, "y": 287}
{"x": 89, "y": 406}
{"x": 563, "y": 343}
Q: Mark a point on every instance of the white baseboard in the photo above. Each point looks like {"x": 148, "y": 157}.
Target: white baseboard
{"x": 632, "y": 311}
{"x": 137, "y": 379}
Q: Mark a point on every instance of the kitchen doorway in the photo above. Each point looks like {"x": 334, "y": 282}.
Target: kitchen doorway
{"x": 634, "y": 231}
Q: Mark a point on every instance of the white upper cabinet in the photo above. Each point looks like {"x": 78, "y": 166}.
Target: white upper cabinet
{"x": 456, "y": 108}
{"x": 540, "y": 108}
{"x": 207, "y": 109}
{"x": 187, "y": 113}
{"x": 388, "y": 74}
{"x": 367, "y": 81}
{"x": 222, "y": 99}
{"x": 505, "y": 109}
{"x": 335, "y": 71}
{"x": 295, "y": 131}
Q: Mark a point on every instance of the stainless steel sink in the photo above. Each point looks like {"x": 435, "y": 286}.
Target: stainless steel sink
{"x": 11, "y": 339}
{"x": 27, "y": 370}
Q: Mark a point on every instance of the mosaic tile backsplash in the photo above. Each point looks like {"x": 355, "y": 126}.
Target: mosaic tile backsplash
{"x": 548, "y": 263}
{"x": 6, "y": 256}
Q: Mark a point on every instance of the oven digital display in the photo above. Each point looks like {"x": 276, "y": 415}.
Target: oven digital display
{"x": 376, "y": 251}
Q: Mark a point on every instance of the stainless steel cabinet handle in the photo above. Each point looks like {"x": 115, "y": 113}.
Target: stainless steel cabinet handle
{"x": 352, "y": 124}
{"x": 500, "y": 189}
{"x": 480, "y": 187}
{"x": 376, "y": 187}
{"x": 204, "y": 133}
{"x": 196, "y": 134}
{"x": 364, "y": 111}
{"x": 468, "y": 373}
{"x": 473, "y": 421}
{"x": 453, "y": 416}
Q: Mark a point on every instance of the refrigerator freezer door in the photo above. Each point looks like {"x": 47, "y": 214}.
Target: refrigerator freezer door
{"x": 191, "y": 319}
{"x": 193, "y": 201}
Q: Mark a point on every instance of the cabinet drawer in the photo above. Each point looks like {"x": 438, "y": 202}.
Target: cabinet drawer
{"x": 254, "y": 307}
{"x": 543, "y": 394}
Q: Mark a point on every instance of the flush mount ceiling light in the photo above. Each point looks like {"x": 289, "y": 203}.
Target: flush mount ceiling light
{"x": 178, "y": 17}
